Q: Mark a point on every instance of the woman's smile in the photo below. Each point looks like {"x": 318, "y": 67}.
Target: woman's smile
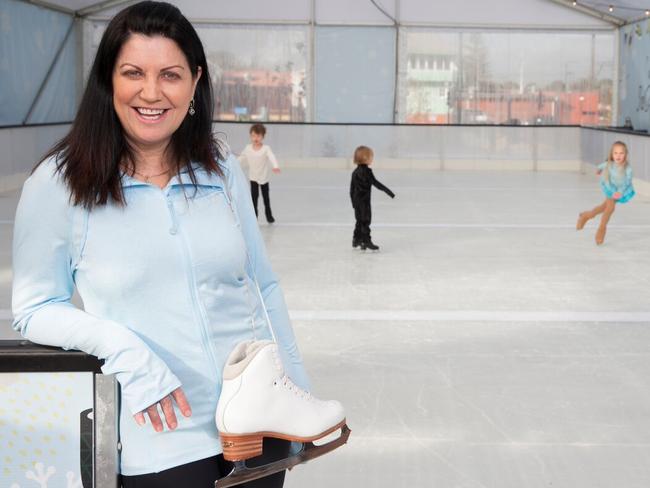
{"x": 151, "y": 115}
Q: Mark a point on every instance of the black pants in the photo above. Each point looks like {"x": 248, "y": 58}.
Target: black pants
{"x": 203, "y": 473}
{"x": 363, "y": 216}
{"x": 265, "y": 196}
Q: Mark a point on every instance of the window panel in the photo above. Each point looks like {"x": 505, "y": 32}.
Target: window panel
{"x": 355, "y": 74}
{"x": 258, "y": 72}
{"x": 525, "y": 78}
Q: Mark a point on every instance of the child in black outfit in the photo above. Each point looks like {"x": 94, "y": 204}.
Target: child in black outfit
{"x": 360, "y": 187}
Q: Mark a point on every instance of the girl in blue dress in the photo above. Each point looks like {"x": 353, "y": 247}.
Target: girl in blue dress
{"x": 616, "y": 183}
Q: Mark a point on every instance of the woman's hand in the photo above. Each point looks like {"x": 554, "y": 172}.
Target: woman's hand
{"x": 617, "y": 195}
{"x": 598, "y": 172}
{"x": 167, "y": 407}
{"x": 276, "y": 170}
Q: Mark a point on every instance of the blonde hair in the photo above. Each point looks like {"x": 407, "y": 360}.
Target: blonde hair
{"x": 610, "y": 158}
{"x": 363, "y": 155}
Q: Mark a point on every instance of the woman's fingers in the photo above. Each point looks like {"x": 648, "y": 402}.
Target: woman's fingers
{"x": 167, "y": 407}
{"x": 181, "y": 401}
{"x": 155, "y": 418}
{"x": 168, "y": 411}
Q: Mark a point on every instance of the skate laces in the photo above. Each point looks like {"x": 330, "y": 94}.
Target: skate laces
{"x": 291, "y": 386}
{"x": 286, "y": 381}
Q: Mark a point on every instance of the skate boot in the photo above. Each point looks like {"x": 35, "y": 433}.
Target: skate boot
{"x": 269, "y": 217}
{"x": 600, "y": 234}
{"x": 369, "y": 245}
{"x": 259, "y": 400}
{"x": 356, "y": 242}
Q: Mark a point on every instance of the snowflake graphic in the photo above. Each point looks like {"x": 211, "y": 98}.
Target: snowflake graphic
{"x": 41, "y": 476}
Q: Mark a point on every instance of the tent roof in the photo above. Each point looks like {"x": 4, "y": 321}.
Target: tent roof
{"x": 627, "y": 10}
{"x": 560, "y": 12}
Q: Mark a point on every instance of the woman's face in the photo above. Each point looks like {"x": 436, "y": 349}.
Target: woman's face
{"x": 152, "y": 89}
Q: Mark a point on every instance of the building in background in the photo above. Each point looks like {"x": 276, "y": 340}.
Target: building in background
{"x": 430, "y": 78}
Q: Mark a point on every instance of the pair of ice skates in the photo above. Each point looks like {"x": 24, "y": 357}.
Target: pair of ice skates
{"x": 259, "y": 400}
{"x": 584, "y": 217}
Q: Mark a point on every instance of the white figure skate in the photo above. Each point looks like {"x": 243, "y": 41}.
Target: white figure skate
{"x": 258, "y": 400}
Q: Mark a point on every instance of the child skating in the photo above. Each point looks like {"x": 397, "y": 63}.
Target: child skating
{"x": 616, "y": 183}
{"x": 260, "y": 161}
{"x": 360, "y": 188}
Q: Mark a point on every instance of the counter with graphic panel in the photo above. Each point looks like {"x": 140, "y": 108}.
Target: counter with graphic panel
{"x": 58, "y": 418}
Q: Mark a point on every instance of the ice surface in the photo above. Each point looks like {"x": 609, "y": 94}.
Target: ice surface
{"x": 488, "y": 344}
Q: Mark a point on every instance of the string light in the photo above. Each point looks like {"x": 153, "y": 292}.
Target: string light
{"x": 621, "y": 9}
{"x": 624, "y": 12}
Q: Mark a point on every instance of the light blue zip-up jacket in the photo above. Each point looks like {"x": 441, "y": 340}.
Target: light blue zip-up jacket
{"x": 167, "y": 293}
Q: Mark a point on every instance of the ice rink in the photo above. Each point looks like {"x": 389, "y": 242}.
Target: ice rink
{"x": 488, "y": 343}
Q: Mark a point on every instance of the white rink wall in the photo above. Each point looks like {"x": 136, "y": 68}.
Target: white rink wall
{"x": 419, "y": 146}
{"x": 434, "y": 147}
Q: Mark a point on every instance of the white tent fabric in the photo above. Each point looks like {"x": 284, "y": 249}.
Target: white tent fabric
{"x": 502, "y": 13}
{"x": 459, "y": 12}
{"x": 362, "y": 11}
{"x": 29, "y": 42}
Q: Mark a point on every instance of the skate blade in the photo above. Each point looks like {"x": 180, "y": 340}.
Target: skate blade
{"x": 242, "y": 473}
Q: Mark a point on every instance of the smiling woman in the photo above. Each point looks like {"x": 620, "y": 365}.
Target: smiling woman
{"x": 135, "y": 207}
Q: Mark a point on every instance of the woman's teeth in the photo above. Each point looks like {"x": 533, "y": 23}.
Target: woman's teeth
{"x": 150, "y": 113}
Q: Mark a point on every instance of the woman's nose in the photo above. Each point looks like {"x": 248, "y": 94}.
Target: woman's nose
{"x": 150, "y": 89}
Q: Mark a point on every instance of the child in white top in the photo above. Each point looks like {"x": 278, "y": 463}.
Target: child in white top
{"x": 260, "y": 160}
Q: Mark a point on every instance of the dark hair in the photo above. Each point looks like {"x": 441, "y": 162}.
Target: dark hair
{"x": 89, "y": 156}
{"x": 362, "y": 155}
{"x": 258, "y": 129}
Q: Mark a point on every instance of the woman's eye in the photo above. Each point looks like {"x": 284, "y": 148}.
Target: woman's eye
{"x": 170, "y": 75}
{"x": 132, "y": 73}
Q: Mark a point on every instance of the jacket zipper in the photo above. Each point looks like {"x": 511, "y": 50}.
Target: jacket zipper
{"x": 194, "y": 294}
{"x": 249, "y": 264}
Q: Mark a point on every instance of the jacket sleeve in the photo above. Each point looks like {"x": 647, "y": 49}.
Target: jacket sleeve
{"x": 268, "y": 282}
{"x": 44, "y": 259}
{"x": 380, "y": 186}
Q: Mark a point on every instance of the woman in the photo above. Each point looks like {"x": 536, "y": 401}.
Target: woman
{"x": 132, "y": 208}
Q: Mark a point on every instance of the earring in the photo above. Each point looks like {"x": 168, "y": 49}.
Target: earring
{"x": 191, "y": 110}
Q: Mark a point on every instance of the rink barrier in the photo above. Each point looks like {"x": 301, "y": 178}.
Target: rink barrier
{"x": 401, "y": 146}
{"x": 98, "y": 427}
